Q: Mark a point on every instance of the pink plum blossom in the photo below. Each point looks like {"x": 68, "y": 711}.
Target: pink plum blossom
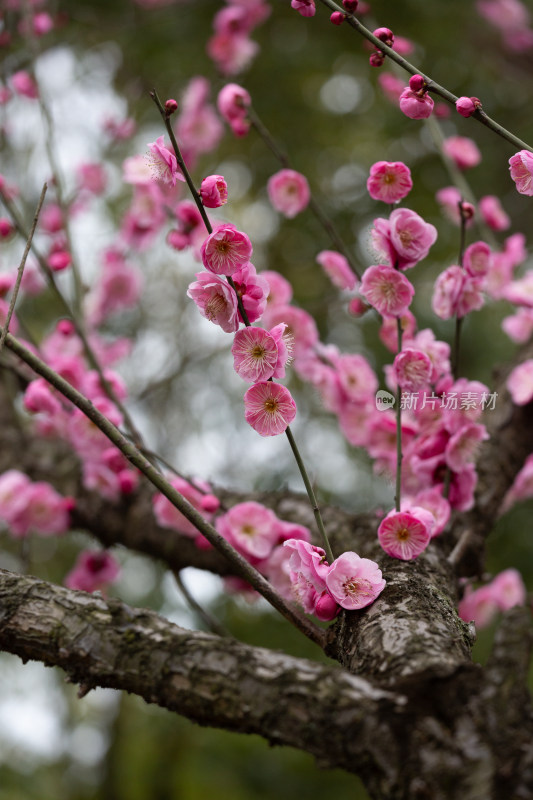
{"x": 301, "y": 327}
{"x": 92, "y": 177}
{"x": 280, "y": 290}
{"x": 463, "y": 151}
{"x": 416, "y": 105}
{"x": 403, "y": 535}
{"x": 226, "y": 250}
{"x": 404, "y": 239}
{"x": 354, "y": 582}
{"x": 269, "y": 408}
{"x": 476, "y": 259}
{"x": 466, "y": 106}
{"x": 198, "y": 128}
{"x": 450, "y": 199}
{"x": 455, "y": 294}
{"x": 214, "y": 191}
{"x": 304, "y": 7}
{"x": 521, "y": 168}
{"x": 519, "y": 326}
{"x": 288, "y": 192}
{"x": 391, "y": 86}
{"x": 233, "y": 102}
{"x": 389, "y": 181}
{"x": 24, "y": 85}
{"x": 94, "y": 571}
{"x": 337, "y": 268}
{"x": 259, "y": 354}
{"x": 252, "y": 289}
{"x": 307, "y": 571}
{"x": 387, "y": 290}
{"x": 478, "y": 606}
{"x": 251, "y": 528}
{"x": 508, "y": 589}
{"x": 388, "y": 332}
{"x": 412, "y": 369}
{"x": 163, "y": 162}
{"x": 432, "y": 500}
{"x": 356, "y": 378}
{"x": 493, "y": 214}
{"x": 520, "y": 383}
{"x": 520, "y": 292}
{"x": 168, "y": 516}
{"x": 463, "y": 445}
{"x": 216, "y": 300}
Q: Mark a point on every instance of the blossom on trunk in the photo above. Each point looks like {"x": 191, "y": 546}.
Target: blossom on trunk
{"x": 354, "y": 582}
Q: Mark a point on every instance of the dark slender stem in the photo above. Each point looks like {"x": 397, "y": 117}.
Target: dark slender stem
{"x": 311, "y": 495}
{"x": 399, "y": 454}
{"x": 21, "y": 267}
{"x": 209, "y": 621}
{"x": 244, "y": 315}
{"x": 432, "y": 85}
{"x": 135, "y": 457}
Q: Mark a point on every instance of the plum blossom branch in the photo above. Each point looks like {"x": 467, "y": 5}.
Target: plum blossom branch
{"x": 89, "y": 353}
{"x": 21, "y": 267}
{"x": 432, "y": 85}
{"x": 198, "y": 200}
{"x": 133, "y": 454}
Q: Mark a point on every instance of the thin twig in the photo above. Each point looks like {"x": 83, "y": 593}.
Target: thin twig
{"x": 135, "y": 457}
{"x": 432, "y": 85}
{"x": 209, "y": 621}
{"x": 21, "y": 267}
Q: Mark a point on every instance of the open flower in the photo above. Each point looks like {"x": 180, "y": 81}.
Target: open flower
{"x": 387, "y": 290}
{"x": 288, "y": 192}
{"x": 269, "y": 408}
{"x": 521, "y": 168}
{"x": 255, "y": 354}
{"x": 354, "y": 582}
{"x": 164, "y": 163}
{"x": 216, "y": 300}
{"x": 404, "y": 535}
{"x": 389, "y": 181}
{"x": 226, "y": 250}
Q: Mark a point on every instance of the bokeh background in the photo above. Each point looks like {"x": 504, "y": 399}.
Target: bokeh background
{"x": 312, "y": 86}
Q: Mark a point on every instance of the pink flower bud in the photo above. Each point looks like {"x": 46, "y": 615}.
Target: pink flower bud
{"x": 350, "y": 5}
{"x": 465, "y": 106}
{"x": 416, "y": 105}
{"x": 214, "y": 191}
{"x": 210, "y": 503}
{"x": 337, "y": 18}
{"x": 416, "y": 83}
{"x": 376, "y": 59}
{"x": 59, "y": 261}
{"x": 6, "y": 228}
{"x": 385, "y": 35}
{"x": 170, "y": 106}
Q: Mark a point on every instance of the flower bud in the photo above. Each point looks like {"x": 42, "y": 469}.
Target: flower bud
{"x": 416, "y": 83}
{"x": 337, "y": 18}
{"x": 350, "y": 5}
{"x": 170, "y": 107}
{"x": 385, "y": 35}
{"x": 376, "y": 59}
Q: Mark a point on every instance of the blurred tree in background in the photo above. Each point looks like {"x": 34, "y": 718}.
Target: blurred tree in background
{"x": 312, "y": 86}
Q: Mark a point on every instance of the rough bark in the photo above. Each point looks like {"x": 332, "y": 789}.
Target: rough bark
{"x": 427, "y": 737}
{"x": 407, "y": 710}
